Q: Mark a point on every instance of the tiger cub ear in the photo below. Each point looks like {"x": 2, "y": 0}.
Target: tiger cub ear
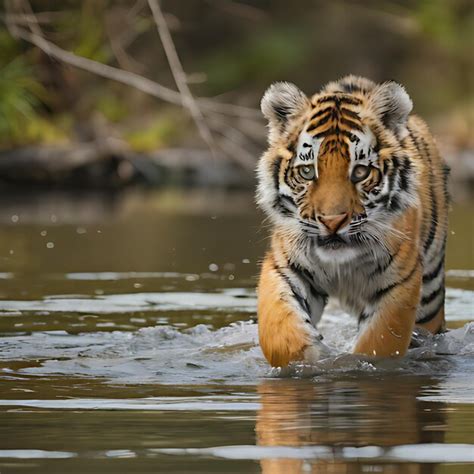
{"x": 393, "y": 105}
{"x": 281, "y": 102}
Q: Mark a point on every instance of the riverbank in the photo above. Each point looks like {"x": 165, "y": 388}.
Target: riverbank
{"x": 107, "y": 165}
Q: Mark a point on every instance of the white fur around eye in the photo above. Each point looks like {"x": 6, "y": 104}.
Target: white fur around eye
{"x": 361, "y": 149}
{"x": 307, "y": 151}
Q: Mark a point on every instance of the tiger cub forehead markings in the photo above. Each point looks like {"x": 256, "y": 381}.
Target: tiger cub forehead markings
{"x": 307, "y": 151}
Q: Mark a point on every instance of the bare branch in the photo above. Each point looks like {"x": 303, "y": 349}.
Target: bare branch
{"x": 179, "y": 74}
{"x": 125, "y": 77}
{"x": 234, "y": 144}
{"x": 231, "y": 140}
{"x": 131, "y": 79}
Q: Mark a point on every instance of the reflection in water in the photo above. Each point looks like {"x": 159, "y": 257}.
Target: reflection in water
{"x": 363, "y": 411}
{"x": 116, "y": 320}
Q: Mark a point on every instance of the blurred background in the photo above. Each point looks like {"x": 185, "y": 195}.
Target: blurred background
{"x": 103, "y": 94}
{"x": 130, "y": 240}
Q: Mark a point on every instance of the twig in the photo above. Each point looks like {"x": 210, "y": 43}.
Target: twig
{"x": 119, "y": 41}
{"x": 131, "y": 79}
{"x": 232, "y": 142}
{"x": 119, "y": 75}
{"x": 179, "y": 74}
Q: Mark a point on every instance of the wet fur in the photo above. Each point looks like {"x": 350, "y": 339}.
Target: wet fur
{"x": 388, "y": 268}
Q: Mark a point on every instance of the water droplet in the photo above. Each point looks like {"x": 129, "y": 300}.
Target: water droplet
{"x": 245, "y": 260}
{"x": 11, "y": 252}
{"x": 50, "y": 245}
{"x": 374, "y": 352}
{"x": 81, "y": 230}
{"x": 231, "y": 277}
{"x": 137, "y": 285}
{"x": 191, "y": 277}
{"x": 54, "y": 218}
{"x": 213, "y": 267}
{"x": 44, "y": 233}
{"x": 15, "y": 218}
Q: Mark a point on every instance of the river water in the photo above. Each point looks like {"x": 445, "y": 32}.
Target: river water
{"x": 128, "y": 344}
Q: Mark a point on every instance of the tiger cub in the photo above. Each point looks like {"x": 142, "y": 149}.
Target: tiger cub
{"x": 356, "y": 193}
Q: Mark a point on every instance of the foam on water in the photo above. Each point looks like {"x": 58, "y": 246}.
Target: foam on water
{"x": 201, "y": 354}
{"x": 420, "y": 453}
{"x": 459, "y": 302}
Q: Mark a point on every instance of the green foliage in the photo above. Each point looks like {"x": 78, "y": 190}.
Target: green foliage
{"x": 162, "y": 131}
{"x": 449, "y": 22}
{"x": 263, "y": 57}
{"x": 113, "y": 108}
{"x": 21, "y": 98}
{"x": 20, "y": 95}
{"x": 85, "y": 28}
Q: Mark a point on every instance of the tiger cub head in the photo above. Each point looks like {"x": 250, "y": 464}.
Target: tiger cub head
{"x": 336, "y": 171}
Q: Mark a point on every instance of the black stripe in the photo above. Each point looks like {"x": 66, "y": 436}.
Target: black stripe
{"x": 432, "y": 296}
{"x": 283, "y": 204}
{"x": 383, "y": 199}
{"x": 363, "y": 316}
{"x": 432, "y": 275}
{"x": 331, "y": 131}
{"x": 446, "y": 173}
{"x": 434, "y": 209}
{"x": 431, "y": 315}
{"x": 281, "y": 112}
{"x": 328, "y": 98}
{"x": 383, "y": 291}
{"x": 301, "y": 301}
{"x": 386, "y": 265}
{"x": 350, "y": 113}
{"x": 403, "y": 173}
{"x": 351, "y": 124}
{"x": 320, "y": 112}
{"x": 291, "y": 147}
{"x": 433, "y": 227}
{"x": 320, "y": 122}
{"x": 394, "y": 203}
{"x": 392, "y": 174}
{"x": 350, "y": 100}
{"x": 350, "y": 87}
{"x": 287, "y": 199}
{"x": 316, "y": 291}
{"x": 276, "y": 172}
{"x": 325, "y": 133}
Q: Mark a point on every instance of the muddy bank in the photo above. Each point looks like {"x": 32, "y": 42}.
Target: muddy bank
{"x": 95, "y": 166}
{"x": 90, "y": 165}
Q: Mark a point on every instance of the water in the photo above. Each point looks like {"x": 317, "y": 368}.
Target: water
{"x": 128, "y": 344}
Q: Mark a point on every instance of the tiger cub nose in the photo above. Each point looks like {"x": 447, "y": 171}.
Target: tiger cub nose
{"x": 334, "y": 222}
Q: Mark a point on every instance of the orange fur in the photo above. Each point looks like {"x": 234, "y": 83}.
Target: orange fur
{"x": 282, "y": 336}
{"x": 413, "y": 286}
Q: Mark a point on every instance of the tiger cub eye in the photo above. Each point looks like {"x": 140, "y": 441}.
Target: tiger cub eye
{"x": 360, "y": 172}
{"x": 307, "y": 172}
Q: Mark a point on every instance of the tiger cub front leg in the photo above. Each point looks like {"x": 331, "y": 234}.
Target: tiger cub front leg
{"x": 285, "y": 327}
{"x": 387, "y": 330}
